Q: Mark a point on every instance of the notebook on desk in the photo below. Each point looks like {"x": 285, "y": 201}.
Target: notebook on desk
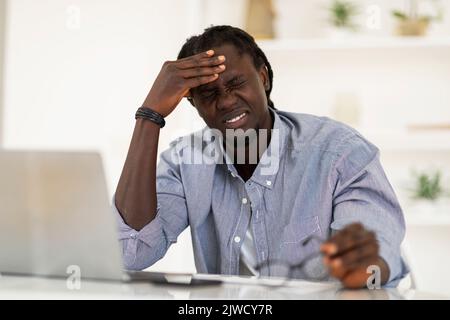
{"x": 56, "y": 219}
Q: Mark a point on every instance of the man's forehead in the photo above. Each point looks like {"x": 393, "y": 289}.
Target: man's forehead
{"x": 233, "y": 55}
{"x": 228, "y": 48}
{"x": 238, "y": 66}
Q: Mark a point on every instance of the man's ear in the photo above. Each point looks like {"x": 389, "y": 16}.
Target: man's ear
{"x": 264, "y": 75}
{"x": 188, "y": 96}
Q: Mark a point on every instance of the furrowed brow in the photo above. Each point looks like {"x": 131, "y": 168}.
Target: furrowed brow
{"x": 232, "y": 81}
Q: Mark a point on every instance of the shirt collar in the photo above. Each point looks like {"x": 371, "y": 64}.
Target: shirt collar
{"x": 268, "y": 166}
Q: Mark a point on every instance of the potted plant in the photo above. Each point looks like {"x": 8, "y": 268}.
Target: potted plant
{"x": 342, "y": 14}
{"x": 428, "y": 186}
{"x": 412, "y": 23}
{"x": 427, "y": 194}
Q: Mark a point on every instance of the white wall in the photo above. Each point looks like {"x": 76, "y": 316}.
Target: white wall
{"x": 2, "y": 48}
{"x": 309, "y": 18}
{"x": 76, "y": 85}
{"x": 395, "y": 88}
{"x": 74, "y": 81}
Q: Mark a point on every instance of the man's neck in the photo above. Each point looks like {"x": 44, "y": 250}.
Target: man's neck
{"x": 246, "y": 158}
{"x": 245, "y": 171}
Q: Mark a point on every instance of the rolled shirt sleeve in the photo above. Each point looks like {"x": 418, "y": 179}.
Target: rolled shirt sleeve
{"x": 141, "y": 249}
{"x": 362, "y": 193}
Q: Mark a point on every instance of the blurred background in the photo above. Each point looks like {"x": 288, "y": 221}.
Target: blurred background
{"x": 73, "y": 72}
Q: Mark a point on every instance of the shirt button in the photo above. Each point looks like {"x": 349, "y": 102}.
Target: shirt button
{"x": 237, "y": 239}
{"x": 269, "y": 183}
{"x": 244, "y": 200}
{"x": 133, "y": 236}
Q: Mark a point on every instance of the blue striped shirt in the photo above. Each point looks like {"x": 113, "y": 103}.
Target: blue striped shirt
{"x": 321, "y": 176}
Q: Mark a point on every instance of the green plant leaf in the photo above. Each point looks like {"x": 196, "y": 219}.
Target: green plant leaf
{"x": 400, "y": 15}
{"x": 428, "y": 186}
{"x": 342, "y": 13}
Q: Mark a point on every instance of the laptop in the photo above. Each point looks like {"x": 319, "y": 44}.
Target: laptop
{"x": 56, "y": 217}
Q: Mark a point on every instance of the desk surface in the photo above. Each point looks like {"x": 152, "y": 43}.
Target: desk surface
{"x": 23, "y": 287}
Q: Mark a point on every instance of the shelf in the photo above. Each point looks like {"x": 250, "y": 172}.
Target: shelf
{"x": 438, "y": 140}
{"x": 426, "y": 212}
{"x": 440, "y": 218}
{"x": 356, "y": 42}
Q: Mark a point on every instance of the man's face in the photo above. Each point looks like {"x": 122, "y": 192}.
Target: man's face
{"x": 237, "y": 99}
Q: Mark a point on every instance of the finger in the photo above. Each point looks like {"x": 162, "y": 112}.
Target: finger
{"x": 330, "y": 246}
{"x": 194, "y": 62}
{"x": 354, "y": 241}
{"x": 203, "y": 71}
{"x": 335, "y": 270}
{"x": 198, "y": 81}
{"x": 341, "y": 240}
{"x": 204, "y": 54}
{"x": 355, "y": 258}
{"x": 345, "y": 245}
{"x": 347, "y": 239}
{"x": 357, "y": 278}
{"x": 213, "y": 61}
{"x": 339, "y": 271}
{"x": 349, "y": 230}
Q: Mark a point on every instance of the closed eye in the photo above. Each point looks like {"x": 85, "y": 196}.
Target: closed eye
{"x": 236, "y": 85}
{"x": 233, "y": 84}
{"x": 208, "y": 94}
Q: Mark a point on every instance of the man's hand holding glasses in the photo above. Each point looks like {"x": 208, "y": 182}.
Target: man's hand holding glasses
{"x": 349, "y": 253}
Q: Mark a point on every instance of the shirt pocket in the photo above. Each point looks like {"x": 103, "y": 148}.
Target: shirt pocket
{"x": 291, "y": 248}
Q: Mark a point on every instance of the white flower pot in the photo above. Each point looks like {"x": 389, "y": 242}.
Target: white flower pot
{"x": 340, "y": 33}
{"x": 424, "y": 207}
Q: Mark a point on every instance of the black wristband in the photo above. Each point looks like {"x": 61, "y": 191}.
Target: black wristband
{"x": 149, "y": 114}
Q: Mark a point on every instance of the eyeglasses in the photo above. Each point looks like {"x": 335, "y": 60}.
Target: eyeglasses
{"x": 302, "y": 270}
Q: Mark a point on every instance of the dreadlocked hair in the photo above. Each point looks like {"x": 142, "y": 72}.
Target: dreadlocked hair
{"x": 215, "y": 36}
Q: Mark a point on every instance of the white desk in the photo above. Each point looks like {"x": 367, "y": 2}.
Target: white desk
{"x": 18, "y": 287}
